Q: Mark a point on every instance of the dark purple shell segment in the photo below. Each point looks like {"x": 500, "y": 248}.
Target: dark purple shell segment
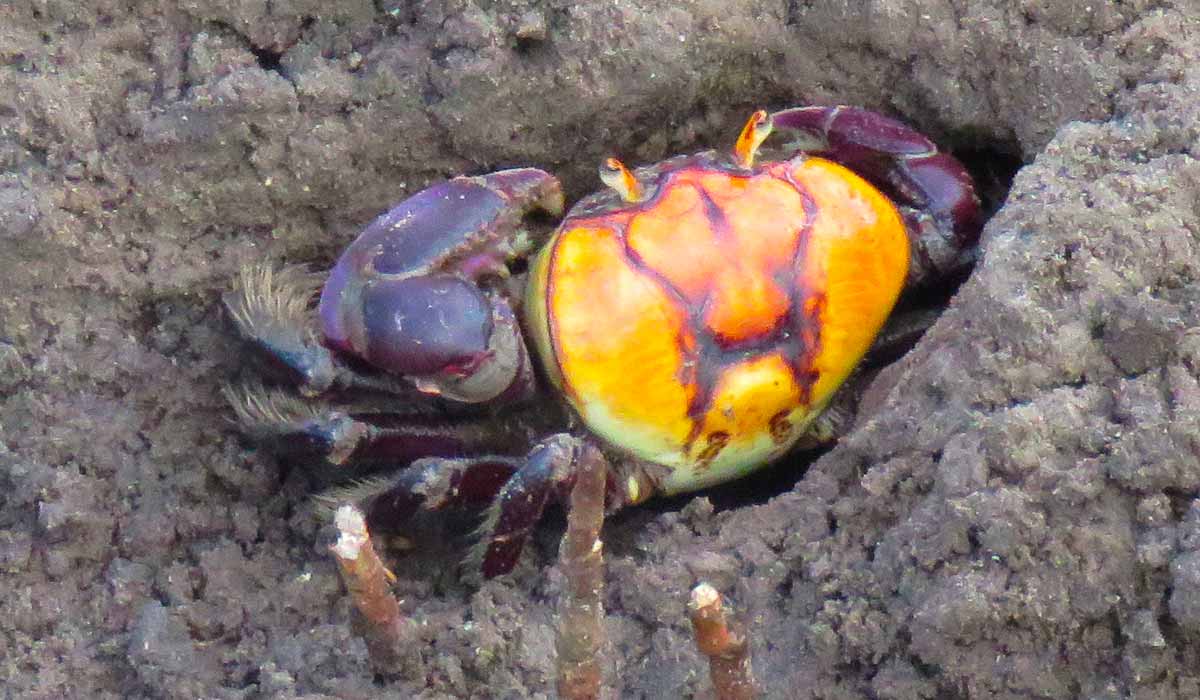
{"x": 339, "y": 297}
{"x": 948, "y": 191}
{"x": 860, "y": 128}
{"x": 861, "y": 140}
{"x": 424, "y": 325}
{"x": 416, "y": 232}
{"x": 435, "y": 484}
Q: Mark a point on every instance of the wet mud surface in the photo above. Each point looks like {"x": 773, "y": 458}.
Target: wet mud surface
{"x": 1016, "y": 514}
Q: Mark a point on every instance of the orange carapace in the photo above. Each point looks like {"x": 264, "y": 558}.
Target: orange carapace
{"x": 703, "y": 316}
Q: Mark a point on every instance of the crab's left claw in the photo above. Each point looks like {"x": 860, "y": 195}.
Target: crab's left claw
{"x": 409, "y": 295}
{"x": 440, "y": 331}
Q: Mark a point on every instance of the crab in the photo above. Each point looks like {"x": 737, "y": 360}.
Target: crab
{"x": 689, "y": 324}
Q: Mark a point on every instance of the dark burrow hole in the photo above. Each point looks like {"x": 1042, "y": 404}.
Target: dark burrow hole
{"x": 525, "y": 45}
{"x": 993, "y": 166}
{"x": 268, "y": 60}
{"x": 272, "y": 60}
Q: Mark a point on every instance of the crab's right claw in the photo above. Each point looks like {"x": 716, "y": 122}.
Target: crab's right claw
{"x": 406, "y": 295}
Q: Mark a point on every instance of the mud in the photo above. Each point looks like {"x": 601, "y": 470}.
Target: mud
{"x": 1015, "y": 516}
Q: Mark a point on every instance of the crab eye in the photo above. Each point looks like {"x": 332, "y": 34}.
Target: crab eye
{"x": 423, "y": 325}
{"x": 614, "y": 174}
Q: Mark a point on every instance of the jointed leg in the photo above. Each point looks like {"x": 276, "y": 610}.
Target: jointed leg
{"x": 429, "y": 484}
{"x": 517, "y": 490}
{"x": 560, "y": 466}
{"x": 366, "y": 434}
{"x": 548, "y": 472}
{"x": 292, "y": 427}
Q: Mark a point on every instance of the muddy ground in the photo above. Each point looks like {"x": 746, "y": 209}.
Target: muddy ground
{"x": 1015, "y": 516}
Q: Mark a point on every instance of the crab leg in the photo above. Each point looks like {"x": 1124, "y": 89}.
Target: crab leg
{"x": 365, "y": 435}
{"x": 517, "y": 490}
{"x": 269, "y": 306}
{"x": 933, "y": 189}
{"x": 431, "y": 484}
{"x": 547, "y": 472}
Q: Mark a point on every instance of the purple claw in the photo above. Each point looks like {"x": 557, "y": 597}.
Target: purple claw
{"x": 434, "y": 230}
{"x": 438, "y": 226}
{"x": 417, "y": 325}
{"x": 429, "y": 224}
{"x": 948, "y": 193}
{"x": 405, "y": 295}
{"x": 855, "y": 133}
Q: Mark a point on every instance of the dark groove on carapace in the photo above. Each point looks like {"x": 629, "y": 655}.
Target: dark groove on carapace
{"x": 801, "y": 363}
{"x": 713, "y": 354}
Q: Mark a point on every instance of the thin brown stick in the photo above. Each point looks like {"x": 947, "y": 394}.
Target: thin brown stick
{"x": 368, "y": 582}
{"x": 580, "y": 612}
{"x": 727, "y": 651}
